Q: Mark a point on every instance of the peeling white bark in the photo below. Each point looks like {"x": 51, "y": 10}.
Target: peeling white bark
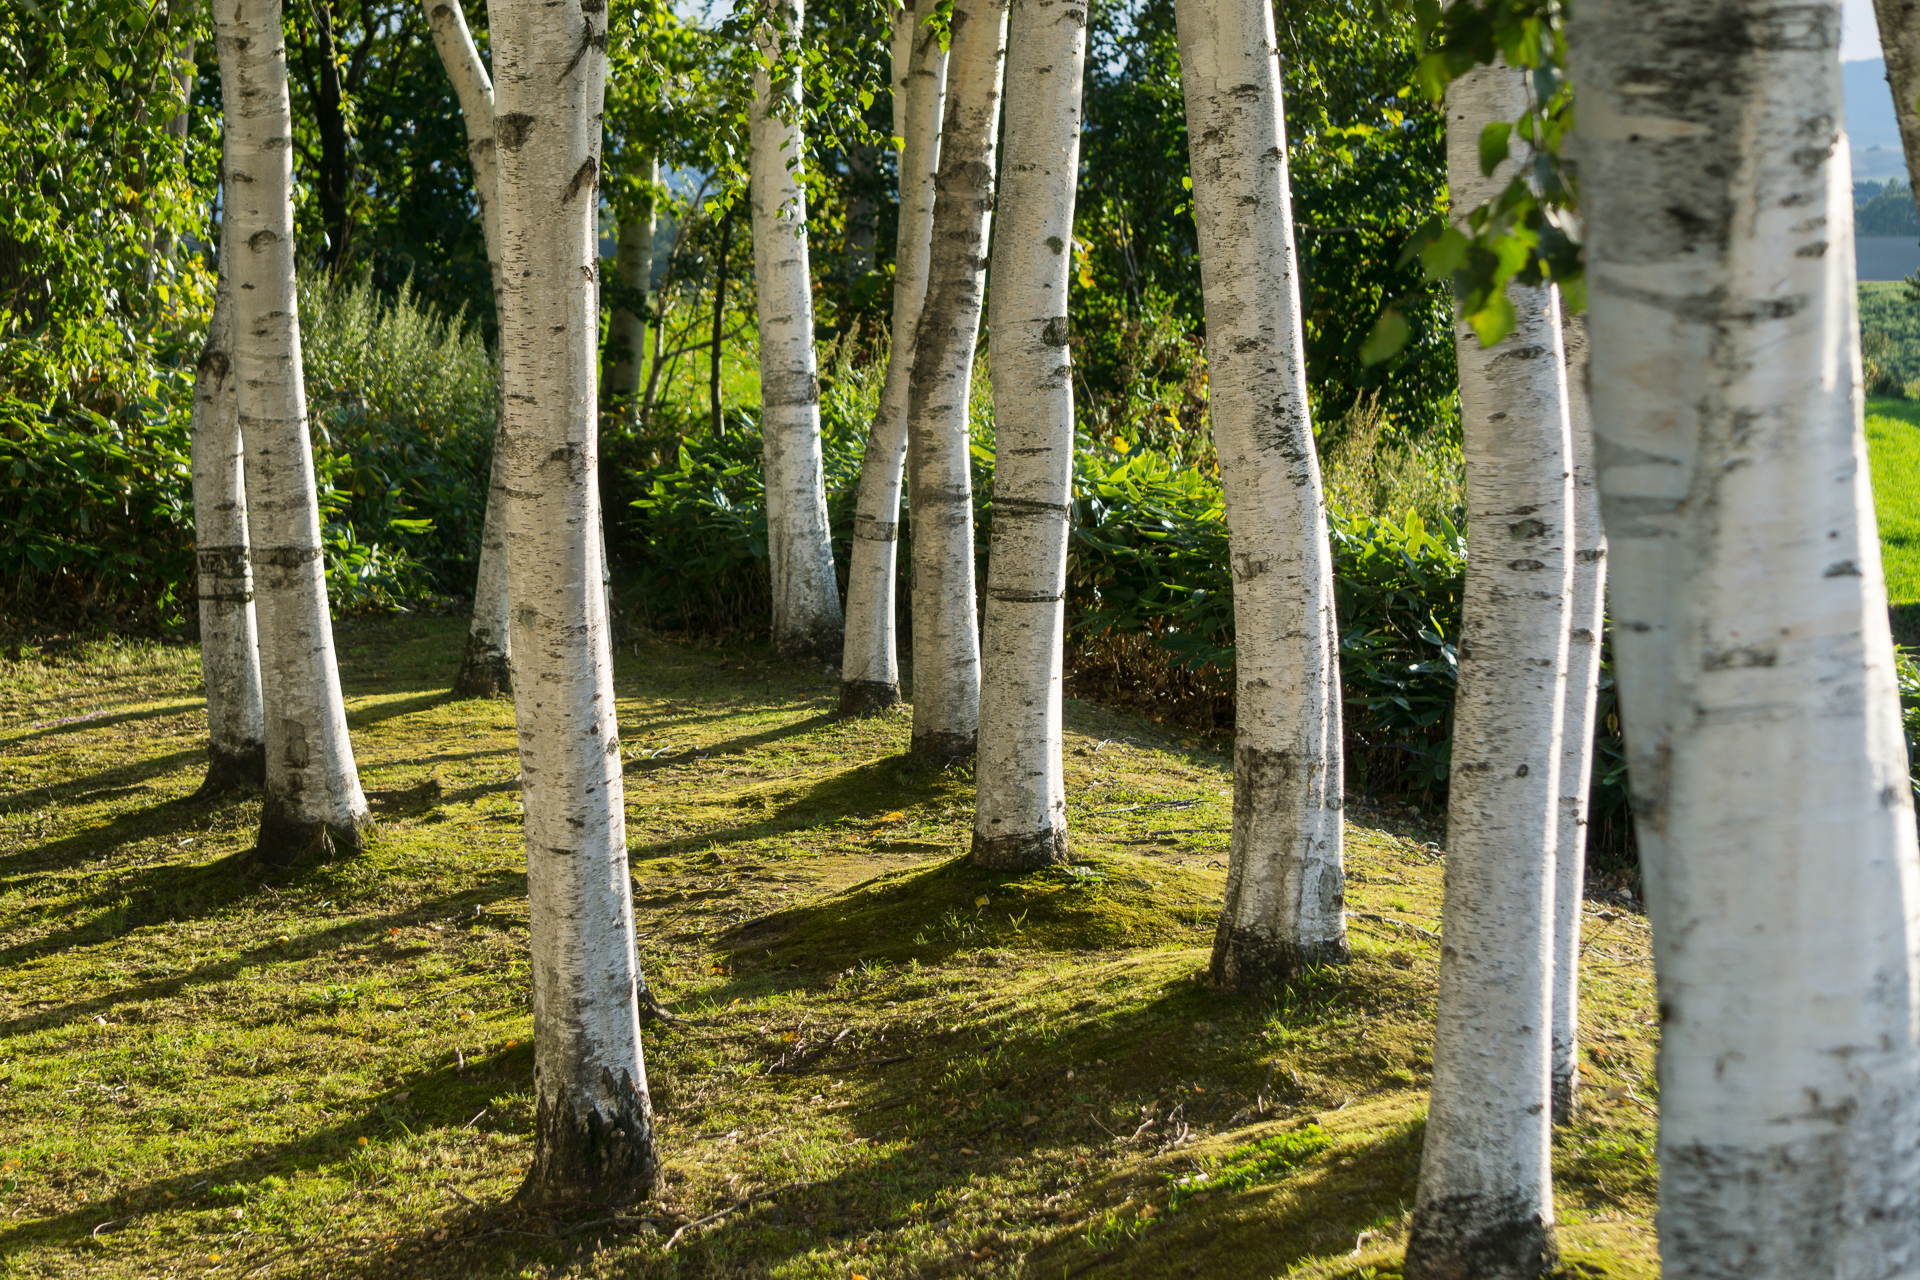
{"x": 593, "y": 1120}
{"x": 1586, "y": 614}
{"x": 946, "y": 645}
{"x": 869, "y": 664}
{"x": 1485, "y": 1202}
{"x": 485, "y": 667}
{"x": 1284, "y": 907}
{"x": 229, "y": 640}
{"x": 313, "y": 798}
{"x": 1020, "y": 810}
{"x": 806, "y": 594}
{"x": 1751, "y": 643}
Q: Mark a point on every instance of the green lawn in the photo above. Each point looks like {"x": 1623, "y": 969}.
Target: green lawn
{"x": 1893, "y": 445}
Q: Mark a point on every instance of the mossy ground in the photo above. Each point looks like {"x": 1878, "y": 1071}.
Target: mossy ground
{"x": 207, "y": 1068}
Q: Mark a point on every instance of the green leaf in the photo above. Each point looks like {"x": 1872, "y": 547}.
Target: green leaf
{"x": 1389, "y": 338}
{"x": 1445, "y": 255}
{"x": 1495, "y": 141}
{"x": 1494, "y": 321}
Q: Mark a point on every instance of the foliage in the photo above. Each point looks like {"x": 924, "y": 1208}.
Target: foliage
{"x": 95, "y": 522}
{"x": 401, "y": 402}
{"x": 1528, "y": 232}
{"x": 1367, "y": 168}
{"x": 1889, "y": 337}
{"x": 1886, "y": 211}
{"x": 100, "y": 176}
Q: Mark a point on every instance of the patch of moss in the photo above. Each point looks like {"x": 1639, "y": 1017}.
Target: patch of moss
{"x": 932, "y": 912}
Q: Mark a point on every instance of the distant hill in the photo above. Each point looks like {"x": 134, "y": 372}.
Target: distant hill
{"x": 1871, "y": 126}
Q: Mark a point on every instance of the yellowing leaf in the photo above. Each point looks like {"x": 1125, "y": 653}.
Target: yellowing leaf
{"x": 980, "y": 901}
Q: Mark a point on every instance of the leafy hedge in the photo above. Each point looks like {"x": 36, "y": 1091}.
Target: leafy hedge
{"x": 1150, "y": 604}
{"x": 96, "y": 499}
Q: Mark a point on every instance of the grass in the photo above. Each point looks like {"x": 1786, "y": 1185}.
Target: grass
{"x": 210, "y": 1069}
{"x": 1893, "y": 448}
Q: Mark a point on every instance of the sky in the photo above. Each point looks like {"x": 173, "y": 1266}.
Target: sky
{"x": 1859, "y": 37}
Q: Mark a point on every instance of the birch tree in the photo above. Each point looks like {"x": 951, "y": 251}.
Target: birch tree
{"x": 1484, "y": 1207}
{"x": 1586, "y": 615}
{"x": 313, "y": 801}
{"x": 594, "y": 1134}
{"x": 1286, "y": 889}
{"x": 869, "y": 663}
{"x": 1757, "y": 686}
{"x": 1899, "y": 23}
{"x": 223, "y": 563}
{"x": 806, "y": 593}
{"x": 1020, "y": 811}
{"x": 485, "y": 665}
{"x": 946, "y": 646}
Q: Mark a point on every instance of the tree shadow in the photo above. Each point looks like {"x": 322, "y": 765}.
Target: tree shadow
{"x": 85, "y": 723}
{"x": 126, "y": 776}
{"x": 227, "y": 877}
{"x": 891, "y": 782}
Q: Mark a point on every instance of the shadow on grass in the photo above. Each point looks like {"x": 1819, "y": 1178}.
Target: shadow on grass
{"x": 219, "y": 884}
{"x": 891, "y": 782}
{"x": 85, "y": 723}
{"x": 932, "y": 912}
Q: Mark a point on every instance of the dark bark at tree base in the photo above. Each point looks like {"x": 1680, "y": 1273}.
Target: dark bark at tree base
{"x": 1247, "y": 961}
{"x": 1564, "y": 1100}
{"x": 1476, "y": 1237}
{"x": 285, "y": 840}
{"x": 867, "y": 697}
{"x": 825, "y": 641}
{"x": 941, "y": 748}
{"x": 584, "y": 1156}
{"x": 1029, "y": 851}
{"x": 233, "y": 772}
{"x": 485, "y": 672}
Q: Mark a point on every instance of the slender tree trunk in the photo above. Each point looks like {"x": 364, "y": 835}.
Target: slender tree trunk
{"x": 869, "y": 664}
{"x": 1485, "y": 1202}
{"x": 229, "y": 640}
{"x": 1286, "y": 886}
{"x": 627, "y": 330}
{"x": 806, "y": 595}
{"x": 593, "y": 1123}
{"x": 716, "y": 423}
{"x": 335, "y": 185}
{"x": 485, "y": 666}
{"x": 946, "y": 658}
{"x": 313, "y": 797}
{"x": 1899, "y": 22}
{"x": 1020, "y": 809}
{"x": 1586, "y": 617}
{"x": 1770, "y": 786}
{"x": 863, "y": 211}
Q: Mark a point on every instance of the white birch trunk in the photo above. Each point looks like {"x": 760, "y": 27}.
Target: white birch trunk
{"x": 1286, "y": 887}
{"x": 946, "y": 644}
{"x": 1020, "y": 808}
{"x": 1769, "y": 771}
{"x": 485, "y": 667}
{"x": 869, "y": 663}
{"x": 627, "y": 328}
{"x": 1485, "y": 1202}
{"x": 593, "y": 1122}
{"x": 229, "y": 639}
{"x": 806, "y": 594}
{"x": 313, "y": 800}
{"x": 1899, "y": 23}
{"x": 1586, "y": 616}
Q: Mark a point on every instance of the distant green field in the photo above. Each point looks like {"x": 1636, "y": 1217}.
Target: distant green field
{"x": 1893, "y": 444}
